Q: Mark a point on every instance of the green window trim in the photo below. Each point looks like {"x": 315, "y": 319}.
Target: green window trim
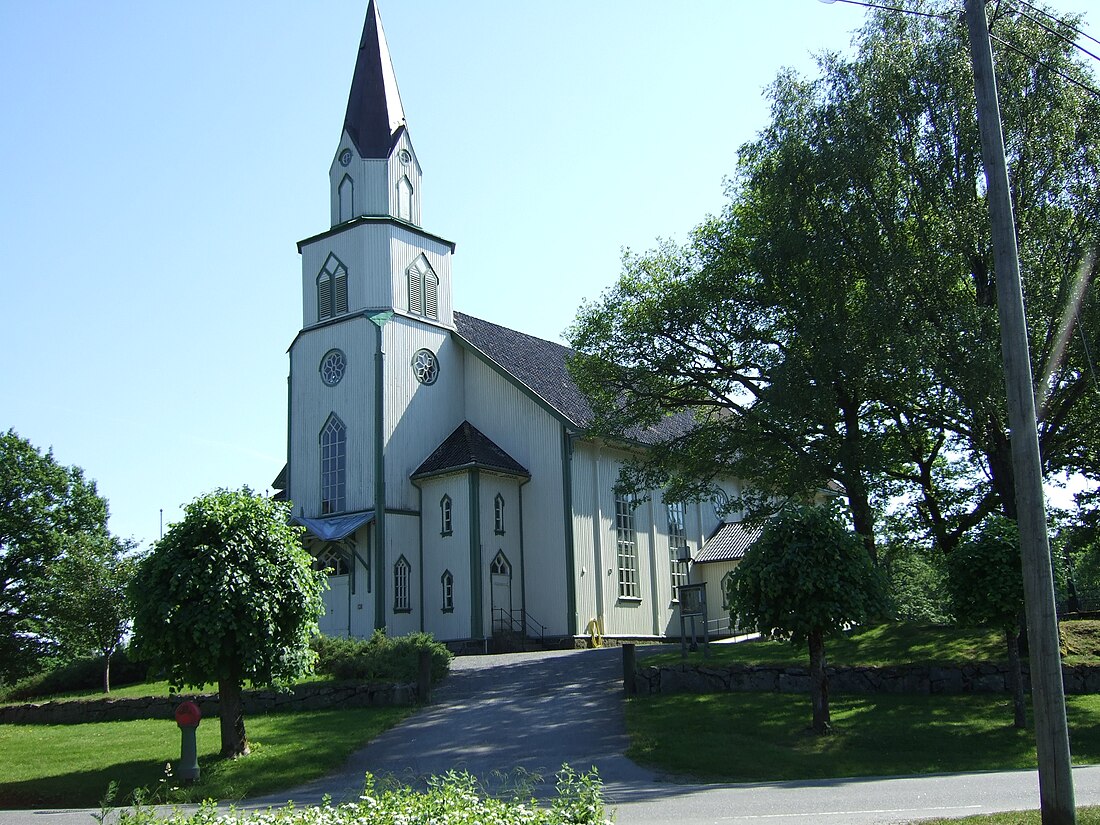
{"x": 498, "y": 515}
{"x": 446, "y": 517}
{"x": 447, "y": 581}
{"x": 402, "y": 586}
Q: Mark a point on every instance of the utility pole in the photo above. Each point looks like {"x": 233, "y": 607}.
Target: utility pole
{"x": 1051, "y": 732}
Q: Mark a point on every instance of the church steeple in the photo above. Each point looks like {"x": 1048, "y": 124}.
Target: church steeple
{"x": 375, "y": 172}
{"x": 374, "y": 115}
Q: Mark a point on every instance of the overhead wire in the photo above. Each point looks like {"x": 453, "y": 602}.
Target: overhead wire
{"x": 1038, "y": 62}
{"x": 1056, "y": 33}
{"x": 939, "y": 16}
{"x": 1058, "y": 20}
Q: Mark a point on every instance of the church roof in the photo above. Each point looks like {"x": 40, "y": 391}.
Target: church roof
{"x": 729, "y": 542}
{"x": 541, "y": 367}
{"x": 467, "y": 448}
{"x": 374, "y": 116}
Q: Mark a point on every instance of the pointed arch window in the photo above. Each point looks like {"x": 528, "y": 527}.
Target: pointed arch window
{"x": 332, "y": 289}
{"x": 500, "y": 566}
{"x": 334, "y": 455}
{"x": 448, "y": 584}
{"x": 498, "y": 515}
{"x": 346, "y": 194}
{"x": 404, "y": 199}
{"x": 423, "y": 288}
{"x": 402, "y": 600}
{"x": 446, "y": 521}
{"x": 332, "y": 560}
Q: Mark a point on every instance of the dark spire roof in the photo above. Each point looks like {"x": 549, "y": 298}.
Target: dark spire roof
{"x": 374, "y": 117}
{"x": 468, "y": 448}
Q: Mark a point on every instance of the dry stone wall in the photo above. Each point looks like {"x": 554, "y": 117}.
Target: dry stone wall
{"x": 920, "y": 679}
{"x": 301, "y": 697}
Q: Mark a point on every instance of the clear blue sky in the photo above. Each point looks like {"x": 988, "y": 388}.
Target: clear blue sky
{"x": 159, "y": 161}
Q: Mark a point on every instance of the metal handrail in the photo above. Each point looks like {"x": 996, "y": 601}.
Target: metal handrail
{"x": 519, "y": 622}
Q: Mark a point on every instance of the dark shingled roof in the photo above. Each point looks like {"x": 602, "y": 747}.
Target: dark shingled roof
{"x": 729, "y": 542}
{"x": 468, "y": 448}
{"x": 540, "y": 366}
{"x": 374, "y": 117}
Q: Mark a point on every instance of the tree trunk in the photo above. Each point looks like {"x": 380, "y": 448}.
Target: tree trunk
{"x": 107, "y": 671}
{"x": 819, "y": 685}
{"x": 1016, "y": 677}
{"x": 234, "y": 741}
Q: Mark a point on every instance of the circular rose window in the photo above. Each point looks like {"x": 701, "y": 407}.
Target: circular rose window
{"x": 425, "y": 366}
{"x": 332, "y": 367}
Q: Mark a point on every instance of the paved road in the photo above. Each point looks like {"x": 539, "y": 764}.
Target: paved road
{"x": 535, "y": 711}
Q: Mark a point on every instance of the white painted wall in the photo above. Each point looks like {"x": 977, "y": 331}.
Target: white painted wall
{"x": 527, "y": 432}
{"x": 311, "y": 402}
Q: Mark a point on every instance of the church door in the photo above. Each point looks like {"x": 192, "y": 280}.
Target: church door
{"x": 501, "y": 575}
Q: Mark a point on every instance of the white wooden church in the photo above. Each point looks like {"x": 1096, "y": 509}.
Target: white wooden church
{"x": 440, "y": 462}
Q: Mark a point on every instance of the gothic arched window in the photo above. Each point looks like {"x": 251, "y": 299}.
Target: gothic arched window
{"x": 446, "y": 522}
{"x": 448, "y": 583}
{"x": 334, "y": 459}
{"x": 332, "y": 289}
{"x": 402, "y": 598}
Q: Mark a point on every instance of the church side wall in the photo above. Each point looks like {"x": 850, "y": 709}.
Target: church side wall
{"x": 447, "y": 553}
{"x": 595, "y": 472}
{"x": 418, "y": 417}
{"x": 402, "y": 540}
{"x": 533, "y": 437}
{"x": 311, "y": 404}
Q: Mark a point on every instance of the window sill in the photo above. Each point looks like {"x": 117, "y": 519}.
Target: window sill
{"x": 402, "y": 610}
{"x": 447, "y": 610}
{"x": 446, "y": 533}
{"x": 631, "y": 599}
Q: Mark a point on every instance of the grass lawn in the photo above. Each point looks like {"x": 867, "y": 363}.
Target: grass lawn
{"x": 142, "y": 689}
{"x": 1085, "y": 816}
{"x": 751, "y": 737}
{"x": 881, "y": 645}
{"x": 71, "y": 765}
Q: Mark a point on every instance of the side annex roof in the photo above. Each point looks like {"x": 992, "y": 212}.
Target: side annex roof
{"x": 468, "y": 448}
{"x": 729, "y": 542}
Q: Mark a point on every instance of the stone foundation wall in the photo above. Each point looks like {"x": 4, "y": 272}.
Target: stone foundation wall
{"x": 920, "y": 679}
{"x": 302, "y": 697}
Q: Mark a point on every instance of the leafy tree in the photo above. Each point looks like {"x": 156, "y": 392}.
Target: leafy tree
{"x": 43, "y": 504}
{"x": 228, "y": 594}
{"x": 88, "y": 607}
{"x": 987, "y": 584}
{"x": 836, "y": 325}
{"x": 805, "y": 578}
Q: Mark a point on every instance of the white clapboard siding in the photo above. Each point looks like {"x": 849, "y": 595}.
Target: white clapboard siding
{"x": 527, "y": 432}
{"x": 418, "y": 417}
{"x": 446, "y": 553}
{"x": 312, "y": 402}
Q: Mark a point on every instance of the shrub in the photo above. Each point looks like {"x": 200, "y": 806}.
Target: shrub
{"x": 77, "y": 675}
{"x": 380, "y": 658}
{"x": 454, "y": 797}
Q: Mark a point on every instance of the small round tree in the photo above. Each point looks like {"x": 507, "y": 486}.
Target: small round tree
{"x": 987, "y": 587}
{"x": 227, "y": 595}
{"x": 805, "y": 578}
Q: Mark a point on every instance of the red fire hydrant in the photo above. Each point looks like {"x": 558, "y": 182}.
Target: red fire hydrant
{"x": 187, "y": 717}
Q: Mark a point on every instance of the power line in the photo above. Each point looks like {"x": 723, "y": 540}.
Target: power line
{"x": 1057, "y": 34}
{"x": 1059, "y": 21}
{"x": 1034, "y": 59}
{"x": 893, "y": 8}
